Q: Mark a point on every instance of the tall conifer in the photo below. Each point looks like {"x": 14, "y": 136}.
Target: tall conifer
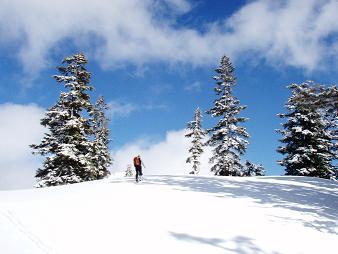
{"x": 67, "y": 146}
{"x": 228, "y": 138}
{"x": 101, "y": 156}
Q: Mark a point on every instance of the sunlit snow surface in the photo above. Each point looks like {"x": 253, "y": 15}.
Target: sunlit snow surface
{"x": 173, "y": 214}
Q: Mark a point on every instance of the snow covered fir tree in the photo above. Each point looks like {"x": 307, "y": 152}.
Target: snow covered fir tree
{"x": 306, "y": 135}
{"x": 228, "y": 138}
{"x": 197, "y": 135}
{"x": 100, "y": 153}
{"x": 251, "y": 169}
{"x": 324, "y": 100}
{"x": 70, "y": 146}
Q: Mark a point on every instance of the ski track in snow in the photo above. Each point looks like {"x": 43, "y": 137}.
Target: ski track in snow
{"x": 9, "y": 215}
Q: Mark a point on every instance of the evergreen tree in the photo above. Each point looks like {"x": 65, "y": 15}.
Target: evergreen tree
{"x": 308, "y": 146}
{"x": 251, "y": 169}
{"x": 325, "y": 101}
{"x": 327, "y": 105}
{"x": 66, "y": 146}
{"x": 197, "y": 134}
{"x": 101, "y": 156}
{"x": 227, "y": 137}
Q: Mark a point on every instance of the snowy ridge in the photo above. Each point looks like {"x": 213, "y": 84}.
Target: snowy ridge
{"x": 173, "y": 214}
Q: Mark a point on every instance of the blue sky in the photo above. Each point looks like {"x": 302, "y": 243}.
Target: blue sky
{"x": 154, "y": 61}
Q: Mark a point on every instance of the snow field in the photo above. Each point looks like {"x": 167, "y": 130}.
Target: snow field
{"x": 173, "y": 214}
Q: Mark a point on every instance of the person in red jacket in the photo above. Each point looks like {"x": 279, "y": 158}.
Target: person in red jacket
{"x": 138, "y": 167}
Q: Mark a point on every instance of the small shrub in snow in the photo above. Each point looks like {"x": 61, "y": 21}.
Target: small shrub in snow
{"x": 129, "y": 171}
{"x": 251, "y": 169}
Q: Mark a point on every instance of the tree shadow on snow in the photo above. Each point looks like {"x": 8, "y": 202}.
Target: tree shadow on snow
{"x": 302, "y": 194}
{"x": 242, "y": 244}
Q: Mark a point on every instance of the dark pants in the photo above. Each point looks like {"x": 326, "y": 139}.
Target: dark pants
{"x": 138, "y": 172}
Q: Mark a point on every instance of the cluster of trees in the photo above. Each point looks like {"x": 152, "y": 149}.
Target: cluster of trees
{"x": 309, "y": 135}
{"x": 76, "y": 146}
{"x": 228, "y": 138}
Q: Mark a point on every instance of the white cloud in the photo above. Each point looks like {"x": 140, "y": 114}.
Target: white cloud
{"x": 118, "y": 108}
{"x": 194, "y": 87}
{"x": 19, "y": 128}
{"x": 159, "y": 89}
{"x": 160, "y": 106}
{"x": 291, "y": 32}
{"x": 179, "y": 5}
{"x": 165, "y": 157}
{"x": 124, "y": 109}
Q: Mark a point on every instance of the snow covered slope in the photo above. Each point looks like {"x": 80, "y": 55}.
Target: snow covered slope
{"x": 173, "y": 214}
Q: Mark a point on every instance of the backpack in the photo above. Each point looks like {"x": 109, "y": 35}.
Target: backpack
{"x": 137, "y": 161}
